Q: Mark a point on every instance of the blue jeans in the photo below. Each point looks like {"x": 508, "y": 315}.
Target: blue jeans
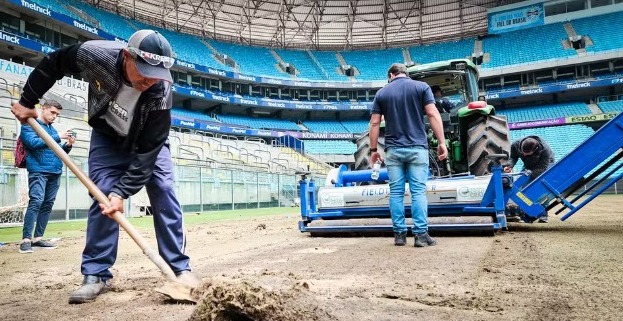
{"x": 408, "y": 164}
{"x": 42, "y": 189}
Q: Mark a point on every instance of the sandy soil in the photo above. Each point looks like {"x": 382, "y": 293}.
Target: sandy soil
{"x": 558, "y": 271}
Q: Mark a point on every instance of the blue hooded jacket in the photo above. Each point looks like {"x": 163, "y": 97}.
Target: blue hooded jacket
{"x": 39, "y": 157}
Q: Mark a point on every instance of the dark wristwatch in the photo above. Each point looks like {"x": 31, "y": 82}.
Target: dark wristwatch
{"x": 373, "y": 150}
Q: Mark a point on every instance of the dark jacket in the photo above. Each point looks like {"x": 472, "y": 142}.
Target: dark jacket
{"x": 39, "y": 157}
{"x": 537, "y": 162}
{"x": 101, "y": 64}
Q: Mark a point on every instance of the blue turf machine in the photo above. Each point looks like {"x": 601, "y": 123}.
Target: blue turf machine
{"x": 467, "y": 202}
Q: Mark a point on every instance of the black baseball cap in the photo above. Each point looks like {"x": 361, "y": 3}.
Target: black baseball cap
{"x": 153, "y": 54}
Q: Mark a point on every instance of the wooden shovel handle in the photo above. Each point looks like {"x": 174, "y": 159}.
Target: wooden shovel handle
{"x": 102, "y": 199}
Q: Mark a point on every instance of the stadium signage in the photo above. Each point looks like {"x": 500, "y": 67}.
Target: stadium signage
{"x": 47, "y": 50}
{"x": 221, "y": 98}
{"x": 279, "y": 105}
{"x": 15, "y": 69}
{"x": 36, "y": 7}
{"x": 10, "y": 38}
{"x": 86, "y": 27}
{"x": 273, "y": 81}
{"x": 532, "y": 91}
{"x": 186, "y": 64}
{"x": 187, "y": 123}
{"x": 359, "y": 107}
{"x": 249, "y": 102}
{"x": 266, "y": 102}
{"x": 537, "y": 123}
{"x": 121, "y": 41}
{"x": 245, "y": 77}
{"x": 590, "y": 118}
{"x": 197, "y": 93}
{"x": 327, "y": 135}
{"x": 216, "y": 72}
{"x": 302, "y": 84}
{"x": 579, "y": 85}
{"x": 212, "y": 127}
{"x": 517, "y": 18}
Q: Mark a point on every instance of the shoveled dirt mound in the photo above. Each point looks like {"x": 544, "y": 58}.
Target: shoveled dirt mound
{"x": 242, "y": 300}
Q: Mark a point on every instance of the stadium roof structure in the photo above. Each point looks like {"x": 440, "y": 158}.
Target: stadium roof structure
{"x": 314, "y": 24}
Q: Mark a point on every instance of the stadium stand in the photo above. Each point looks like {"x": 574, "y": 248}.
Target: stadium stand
{"x": 191, "y": 115}
{"x": 258, "y": 123}
{"x": 325, "y": 126}
{"x": 303, "y": 63}
{"x": 330, "y": 63}
{"x": 520, "y": 47}
{"x": 611, "y": 106}
{"x": 111, "y": 23}
{"x": 329, "y": 147}
{"x": 356, "y": 126}
{"x": 255, "y": 61}
{"x": 372, "y": 64}
{"x": 602, "y": 30}
{"x": 442, "y": 51}
{"x": 529, "y": 113}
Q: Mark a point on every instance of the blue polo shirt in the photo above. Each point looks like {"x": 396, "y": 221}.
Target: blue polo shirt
{"x": 402, "y": 103}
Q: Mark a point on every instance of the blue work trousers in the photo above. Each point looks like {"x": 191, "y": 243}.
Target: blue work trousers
{"x": 107, "y": 164}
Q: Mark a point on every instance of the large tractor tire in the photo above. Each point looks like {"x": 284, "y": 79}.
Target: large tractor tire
{"x": 485, "y": 136}
{"x": 362, "y": 155}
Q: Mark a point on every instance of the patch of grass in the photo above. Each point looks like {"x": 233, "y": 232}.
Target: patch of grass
{"x": 77, "y": 228}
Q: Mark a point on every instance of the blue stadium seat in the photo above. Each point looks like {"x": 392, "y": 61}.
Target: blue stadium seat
{"x": 259, "y": 123}
{"x": 611, "y": 106}
{"x": 303, "y": 63}
{"x": 255, "y": 61}
{"x": 372, "y": 64}
{"x": 356, "y": 126}
{"x": 605, "y": 31}
{"x": 325, "y": 126}
{"x": 341, "y": 147}
{"x": 529, "y": 113}
{"x": 520, "y": 47}
{"x": 329, "y": 62}
{"x": 109, "y": 22}
{"x": 191, "y": 115}
{"x": 442, "y": 51}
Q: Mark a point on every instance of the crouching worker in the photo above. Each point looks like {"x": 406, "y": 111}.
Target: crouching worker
{"x": 130, "y": 113}
{"x": 537, "y": 157}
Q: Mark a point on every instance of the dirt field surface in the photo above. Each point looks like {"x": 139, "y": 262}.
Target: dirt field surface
{"x": 558, "y": 271}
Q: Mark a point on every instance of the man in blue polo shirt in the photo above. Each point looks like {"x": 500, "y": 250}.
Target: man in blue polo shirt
{"x": 403, "y": 103}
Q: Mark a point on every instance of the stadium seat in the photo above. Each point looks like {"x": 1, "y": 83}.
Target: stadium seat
{"x": 529, "y": 113}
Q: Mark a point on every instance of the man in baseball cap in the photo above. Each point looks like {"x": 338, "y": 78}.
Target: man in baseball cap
{"x": 153, "y": 54}
{"x": 130, "y": 112}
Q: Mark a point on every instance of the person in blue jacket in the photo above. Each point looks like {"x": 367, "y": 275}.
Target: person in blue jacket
{"x": 44, "y": 172}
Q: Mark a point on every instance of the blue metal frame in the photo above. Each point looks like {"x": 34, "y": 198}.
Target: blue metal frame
{"x": 554, "y": 183}
{"x": 493, "y": 204}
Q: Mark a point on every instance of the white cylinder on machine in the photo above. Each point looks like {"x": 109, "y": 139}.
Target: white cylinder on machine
{"x": 439, "y": 191}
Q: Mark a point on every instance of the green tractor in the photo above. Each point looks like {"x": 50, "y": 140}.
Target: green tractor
{"x": 472, "y": 129}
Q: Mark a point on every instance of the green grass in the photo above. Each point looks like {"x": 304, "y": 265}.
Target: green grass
{"x": 77, "y": 228}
